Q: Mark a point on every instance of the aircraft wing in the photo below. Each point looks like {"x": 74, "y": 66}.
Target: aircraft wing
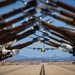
{"x": 49, "y": 48}
{"x": 33, "y": 48}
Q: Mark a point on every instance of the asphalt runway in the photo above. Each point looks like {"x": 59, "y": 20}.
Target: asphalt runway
{"x": 42, "y": 69}
{"x": 59, "y": 70}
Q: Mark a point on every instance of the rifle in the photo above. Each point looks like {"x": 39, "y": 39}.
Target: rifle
{"x": 15, "y": 30}
{"x": 60, "y": 30}
{"x": 61, "y": 4}
{"x": 17, "y": 11}
{"x": 20, "y": 46}
{"x": 19, "y": 36}
{"x": 70, "y": 21}
{"x": 63, "y": 12}
{"x": 62, "y": 36}
{"x": 7, "y": 2}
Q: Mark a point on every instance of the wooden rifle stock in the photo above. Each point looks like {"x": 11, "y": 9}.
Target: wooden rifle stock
{"x": 20, "y": 46}
{"x": 19, "y": 36}
{"x": 52, "y": 37}
{"x": 62, "y": 31}
{"x": 63, "y": 12}
{"x": 16, "y": 11}
{"x": 7, "y": 2}
{"x": 50, "y": 44}
{"x": 58, "y": 29}
{"x": 70, "y": 21}
{"x": 63, "y": 37}
{"x": 17, "y": 19}
{"x": 12, "y": 22}
{"x": 13, "y": 31}
{"x": 66, "y": 6}
{"x": 60, "y": 41}
{"x": 68, "y": 14}
{"x": 64, "y": 19}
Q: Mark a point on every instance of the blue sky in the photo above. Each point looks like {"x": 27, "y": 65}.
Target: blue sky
{"x": 37, "y": 53}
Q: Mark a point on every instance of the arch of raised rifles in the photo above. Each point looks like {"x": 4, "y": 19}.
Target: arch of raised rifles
{"x": 9, "y": 34}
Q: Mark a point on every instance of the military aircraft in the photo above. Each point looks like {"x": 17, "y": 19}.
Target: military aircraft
{"x": 42, "y": 49}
